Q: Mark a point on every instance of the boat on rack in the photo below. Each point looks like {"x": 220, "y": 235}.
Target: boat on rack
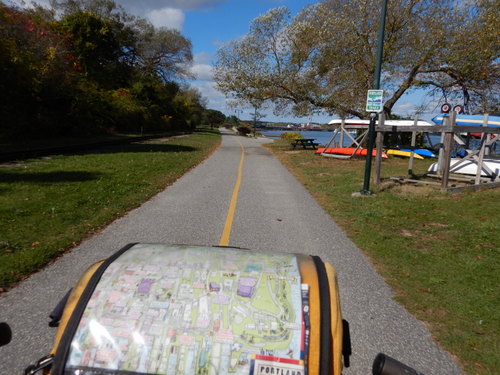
{"x": 469, "y": 120}
{"x": 421, "y": 152}
{"x": 403, "y": 153}
{"x": 354, "y": 131}
{"x": 469, "y": 167}
{"x": 350, "y": 151}
{"x": 357, "y": 122}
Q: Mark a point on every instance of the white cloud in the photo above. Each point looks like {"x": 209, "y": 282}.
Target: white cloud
{"x": 177, "y": 4}
{"x": 166, "y": 17}
{"x": 29, "y": 3}
{"x": 145, "y": 6}
{"x": 202, "y": 67}
{"x": 203, "y": 72}
{"x": 203, "y": 58}
{"x": 216, "y": 100}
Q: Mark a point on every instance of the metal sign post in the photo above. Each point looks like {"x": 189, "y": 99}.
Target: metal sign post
{"x": 373, "y": 116}
{"x": 369, "y": 151}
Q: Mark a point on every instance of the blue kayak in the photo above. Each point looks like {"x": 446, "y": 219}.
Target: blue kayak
{"x": 470, "y": 120}
{"x": 421, "y": 152}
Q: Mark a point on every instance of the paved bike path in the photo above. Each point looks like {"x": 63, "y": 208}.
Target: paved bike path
{"x": 273, "y": 212}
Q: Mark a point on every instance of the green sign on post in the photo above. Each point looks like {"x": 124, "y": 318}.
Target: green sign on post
{"x": 374, "y": 101}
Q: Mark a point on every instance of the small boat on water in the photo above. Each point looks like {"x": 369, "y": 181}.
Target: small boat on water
{"x": 350, "y": 151}
{"x": 469, "y": 120}
{"x": 470, "y": 166}
{"x": 404, "y": 153}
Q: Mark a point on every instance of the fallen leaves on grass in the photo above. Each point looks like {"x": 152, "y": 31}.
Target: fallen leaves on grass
{"x": 480, "y": 365}
{"x": 437, "y": 225}
{"x": 406, "y": 233}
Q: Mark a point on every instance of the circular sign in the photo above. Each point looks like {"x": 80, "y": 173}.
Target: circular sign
{"x": 445, "y": 108}
{"x": 458, "y": 109}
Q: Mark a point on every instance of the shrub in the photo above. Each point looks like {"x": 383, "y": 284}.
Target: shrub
{"x": 291, "y": 135}
{"x": 243, "y": 130}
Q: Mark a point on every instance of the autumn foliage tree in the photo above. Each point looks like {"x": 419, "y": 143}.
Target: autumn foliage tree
{"x": 87, "y": 67}
{"x": 324, "y": 58}
{"x": 35, "y": 69}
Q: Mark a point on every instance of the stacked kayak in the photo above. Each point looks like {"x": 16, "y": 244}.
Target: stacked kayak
{"x": 350, "y": 151}
{"x": 422, "y": 152}
{"x": 404, "y": 153}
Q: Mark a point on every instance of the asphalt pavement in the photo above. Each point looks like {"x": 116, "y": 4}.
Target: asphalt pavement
{"x": 274, "y": 212}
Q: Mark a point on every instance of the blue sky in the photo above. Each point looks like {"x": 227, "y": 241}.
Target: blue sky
{"x": 211, "y": 23}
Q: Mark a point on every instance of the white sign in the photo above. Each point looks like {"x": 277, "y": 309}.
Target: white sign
{"x": 266, "y": 365}
{"x": 374, "y": 101}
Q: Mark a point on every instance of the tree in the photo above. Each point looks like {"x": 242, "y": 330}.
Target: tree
{"x": 471, "y": 67}
{"x": 257, "y": 115}
{"x": 214, "y": 117}
{"x": 105, "y": 34}
{"x": 86, "y": 66}
{"x": 190, "y": 104}
{"x": 164, "y": 52}
{"x": 234, "y": 120}
{"x": 324, "y": 58}
{"x": 36, "y": 69}
{"x": 97, "y": 47}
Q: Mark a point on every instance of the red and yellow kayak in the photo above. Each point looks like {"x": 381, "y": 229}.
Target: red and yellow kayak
{"x": 349, "y": 151}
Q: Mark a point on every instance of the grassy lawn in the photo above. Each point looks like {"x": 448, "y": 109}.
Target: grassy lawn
{"x": 48, "y": 205}
{"x": 439, "y": 252}
{"x": 8, "y": 145}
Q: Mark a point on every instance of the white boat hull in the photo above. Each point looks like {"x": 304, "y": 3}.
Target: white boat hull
{"x": 469, "y": 167}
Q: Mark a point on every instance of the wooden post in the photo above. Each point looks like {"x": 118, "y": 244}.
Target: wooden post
{"x": 413, "y": 142}
{"x": 342, "y": 124}
{"x": 441, "y": 152}
{"x": 379, "y": 144}
{"x": 448, "y": 138}
{"x": 487, "y": 151}
{"x": 484, "y": 142}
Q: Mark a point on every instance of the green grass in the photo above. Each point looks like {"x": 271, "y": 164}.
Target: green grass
{"x": 440, "y": 252}
{"x": 7, "y": 144}
{"x": 48, "y": 205}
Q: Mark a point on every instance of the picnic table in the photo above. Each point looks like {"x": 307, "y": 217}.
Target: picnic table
{"x": 305, "y": 143}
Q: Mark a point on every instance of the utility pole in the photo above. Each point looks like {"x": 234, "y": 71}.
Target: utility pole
{"x": 376, "y": 86}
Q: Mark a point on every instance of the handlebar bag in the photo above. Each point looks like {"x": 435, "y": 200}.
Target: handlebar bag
{"x": 164, "y": 309}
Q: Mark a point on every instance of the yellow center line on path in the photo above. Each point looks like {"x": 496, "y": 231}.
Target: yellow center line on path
{"x": 224, "y": 240}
